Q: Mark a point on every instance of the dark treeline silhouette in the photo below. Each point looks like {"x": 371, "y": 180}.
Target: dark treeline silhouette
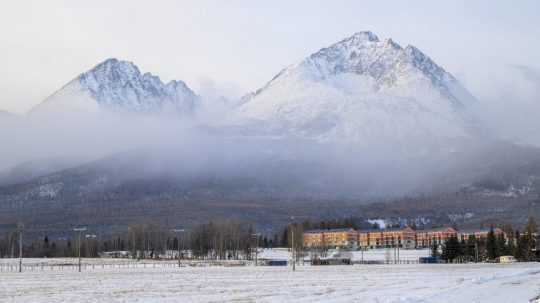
{"x": 214, "y": 240}
{"x": 521, "y": 245}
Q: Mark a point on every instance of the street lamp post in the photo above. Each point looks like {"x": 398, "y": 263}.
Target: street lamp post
{"x": 133, "y": 246}
{"x": 79, "y": 230}
{"x": 88, "y": 251}
{"x": 399, "y": 243}
{"x": 178, "y": 231}
{"x": 256, "y": 235}
{"x": 20, "y": 228}
{"x": 476, "y": 251}
{"x": 293, "y": 246}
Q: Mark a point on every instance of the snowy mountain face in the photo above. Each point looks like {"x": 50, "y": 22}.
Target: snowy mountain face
{"x": 119, "y": 86}
{"x": 361, "y": 88}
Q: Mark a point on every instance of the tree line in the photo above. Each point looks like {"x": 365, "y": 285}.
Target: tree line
{"x": 236, "y": 240}
{"x": 521, "y": 245}
{"x": 213, "y": 240}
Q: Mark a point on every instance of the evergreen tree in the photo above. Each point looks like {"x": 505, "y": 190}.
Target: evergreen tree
{"x": 531, "y": 226}
{"x": 522, "y": 248}
{"x": 285, "y": 237}
{"x": 502, "y": 247}
{"x": 530, "y": 240}
{"x": 451, "y": 250}
{"x": 516, "y": 244}
{"x": 511, "y": 247}
{"x": 491, "y": 245}
{"x": 470, "y": 247}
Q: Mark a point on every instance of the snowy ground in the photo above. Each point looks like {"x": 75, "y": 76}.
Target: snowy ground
{"x": 503, "y": 283}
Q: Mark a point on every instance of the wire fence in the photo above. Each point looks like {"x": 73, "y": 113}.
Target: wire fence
{"x": 62, "y": 267}
{"x": 14, "y": 267}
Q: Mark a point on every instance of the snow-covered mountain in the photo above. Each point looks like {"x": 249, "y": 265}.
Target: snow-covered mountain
{"x": 120, "y": 86}
{"x": 363, "y": 89}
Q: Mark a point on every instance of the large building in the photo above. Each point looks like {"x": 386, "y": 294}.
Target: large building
{"x": 331, "y": 238}
{"x": 380, "y": 238}
{"x": 479, "y": 234}
{"x": 435, "y": 236}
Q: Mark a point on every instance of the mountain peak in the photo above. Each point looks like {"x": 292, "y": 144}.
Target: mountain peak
{"x": 114, "y": 69}
{"x": 119, "y": 85}
{"x": 365, "y": 88}
{"x": 109, "y": 61}
{"x": 363, "y": 36}
{"x": 114, "y": 63}
{"x": 384, "y": 61}
{"x": 358, "y": 40}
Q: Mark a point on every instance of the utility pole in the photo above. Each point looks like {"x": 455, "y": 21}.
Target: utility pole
{"x": 178, "y": 231}
{"x": 79, "y": 230}
{"x": 20, "y": 227}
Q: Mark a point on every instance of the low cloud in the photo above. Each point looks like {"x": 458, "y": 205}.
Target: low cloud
{"x": 510, "y": 104}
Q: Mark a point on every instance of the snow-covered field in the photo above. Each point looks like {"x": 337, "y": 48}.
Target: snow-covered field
{"x": 514, "y": 283}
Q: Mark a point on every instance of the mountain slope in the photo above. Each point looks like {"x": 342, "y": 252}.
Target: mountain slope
{"x": 122, "y": 190}
{"x": 362, "y": 88}
{"x": 119, "y": 86}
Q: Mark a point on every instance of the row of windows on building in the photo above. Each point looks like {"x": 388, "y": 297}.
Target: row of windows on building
{"x": 403, "y": 237}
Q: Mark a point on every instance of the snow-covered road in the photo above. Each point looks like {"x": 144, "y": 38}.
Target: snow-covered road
{"x": 359, "y": 283}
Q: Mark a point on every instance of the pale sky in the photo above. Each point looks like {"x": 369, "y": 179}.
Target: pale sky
{"x": 237, "y": 46}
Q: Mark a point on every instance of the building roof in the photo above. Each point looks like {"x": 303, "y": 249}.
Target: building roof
{"x": 478, "y": 230}
{"x": 377, "y": 230}
{"x": 331, "y": 230}
{"x": 436, "y": 229}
